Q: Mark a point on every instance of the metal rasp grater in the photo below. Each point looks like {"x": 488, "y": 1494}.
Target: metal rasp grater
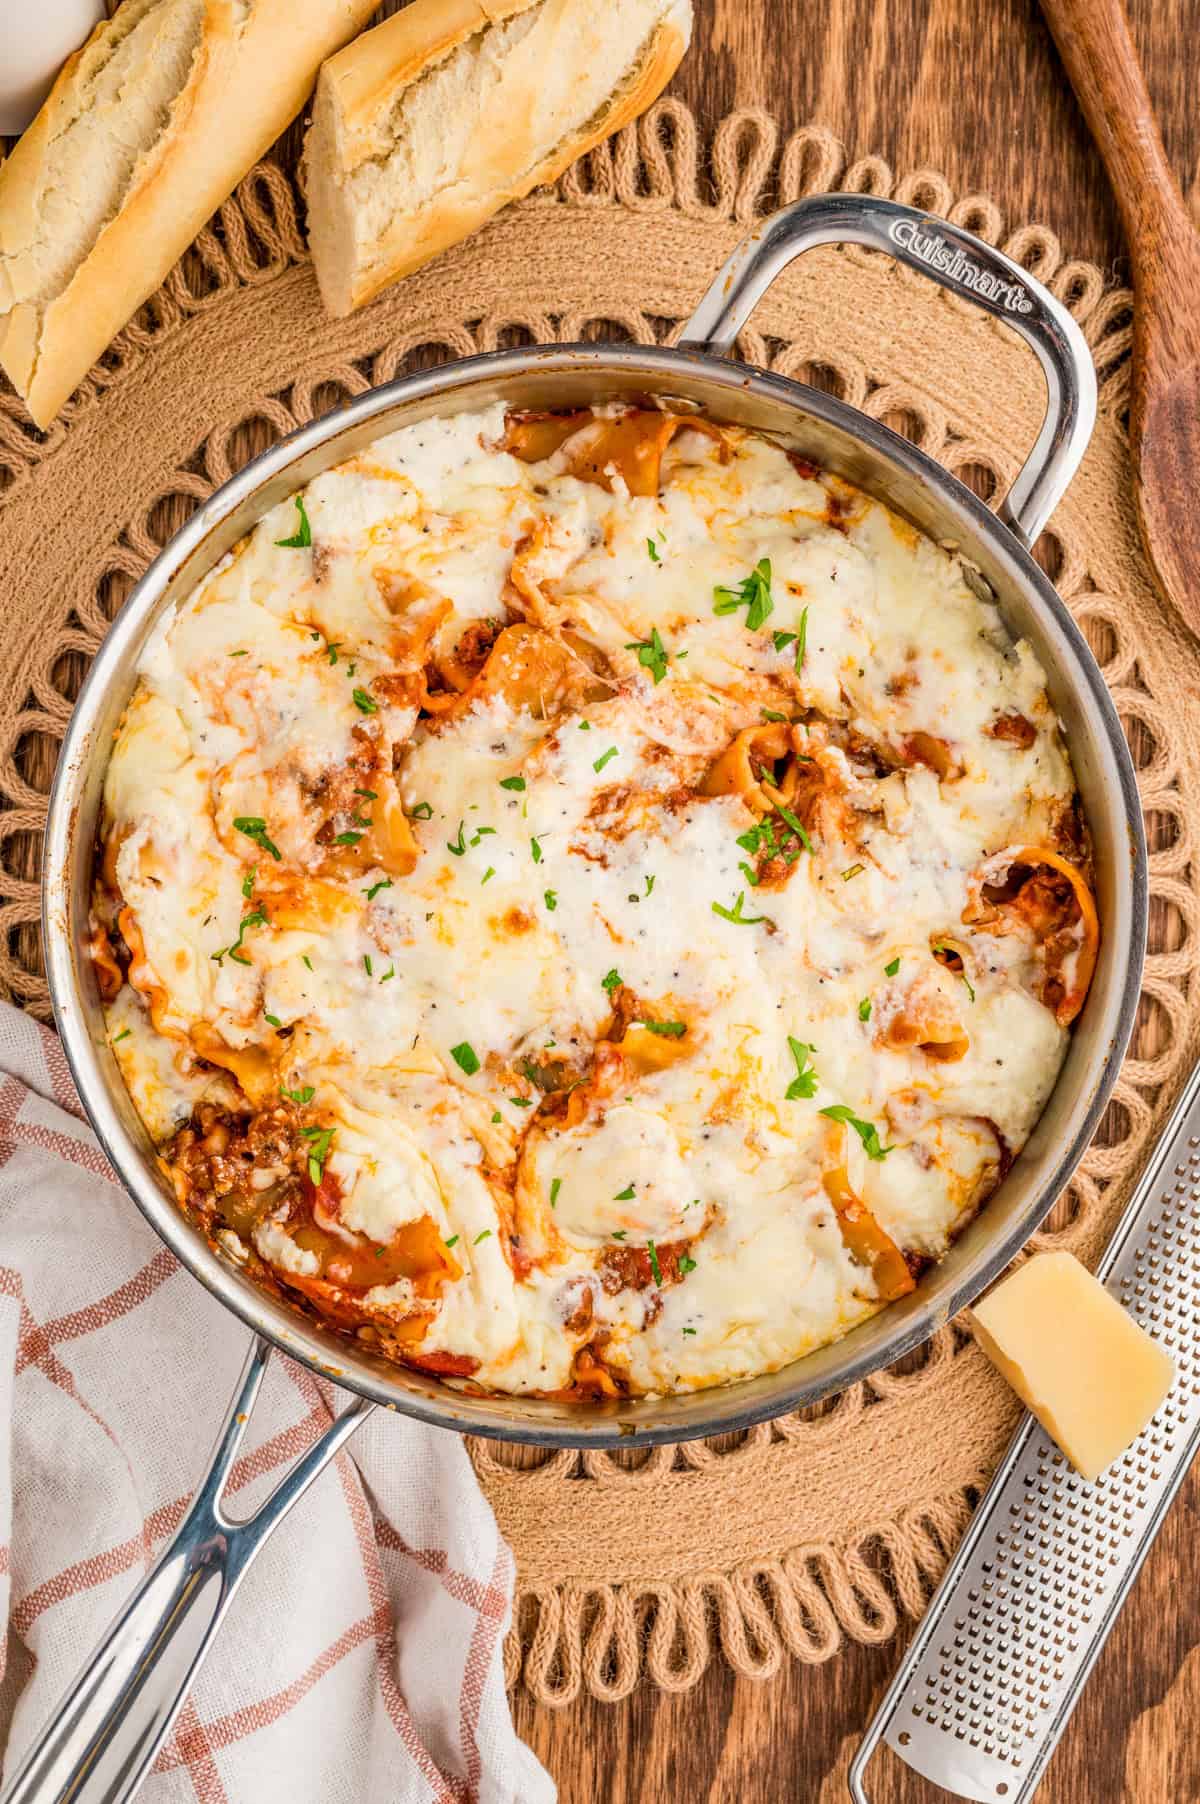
{"x": 1013, "y": 1631}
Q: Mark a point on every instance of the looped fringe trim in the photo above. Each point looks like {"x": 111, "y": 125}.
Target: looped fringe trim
{"x": 605, "y": 1639}
{"x": 656, "y": 164}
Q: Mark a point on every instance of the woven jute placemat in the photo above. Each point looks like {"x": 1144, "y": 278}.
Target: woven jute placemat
{"x": 801, "y": 1532}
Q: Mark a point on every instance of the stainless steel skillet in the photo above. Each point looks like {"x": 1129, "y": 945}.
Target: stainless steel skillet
{"x": 109, "y": 1727}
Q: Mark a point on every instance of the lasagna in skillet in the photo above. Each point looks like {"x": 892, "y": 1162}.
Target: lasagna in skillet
{"x": 589, "y": 904}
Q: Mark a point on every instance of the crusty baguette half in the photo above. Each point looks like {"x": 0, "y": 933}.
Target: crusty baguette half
{"x": 149, "y": 127}
{"x": 425, "y": 127}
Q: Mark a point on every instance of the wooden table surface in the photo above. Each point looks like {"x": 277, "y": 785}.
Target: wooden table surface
{"x": 971, "y": 88}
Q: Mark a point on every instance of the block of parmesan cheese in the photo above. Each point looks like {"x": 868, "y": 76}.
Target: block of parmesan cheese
{"x": 1090, "y": 1374}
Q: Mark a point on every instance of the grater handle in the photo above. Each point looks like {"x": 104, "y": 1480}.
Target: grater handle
{"x": 985, "y": 1626}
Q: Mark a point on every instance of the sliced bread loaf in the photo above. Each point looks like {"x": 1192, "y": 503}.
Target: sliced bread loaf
{"x": 429, "y": 124}
{"x": 149, "y": 127}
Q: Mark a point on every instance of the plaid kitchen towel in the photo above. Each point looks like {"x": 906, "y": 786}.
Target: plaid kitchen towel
{"x": 362, "y": 1658}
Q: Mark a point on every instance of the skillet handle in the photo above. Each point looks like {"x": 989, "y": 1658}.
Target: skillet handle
{"x": 106, "y": 1731}
{"x": 960, "y": 262}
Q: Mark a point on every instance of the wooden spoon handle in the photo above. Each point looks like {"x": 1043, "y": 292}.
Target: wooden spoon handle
{"x": 1098, "y": 53}
{"x": 1099, "y": 56}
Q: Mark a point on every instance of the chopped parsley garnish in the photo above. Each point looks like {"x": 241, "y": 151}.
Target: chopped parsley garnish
{"x": 248, "y": 882}
{"x": 346, "y": 839}
{"x": 769, "y": 714}
{"x": 521, "y": 1102}
{"x": 256, "y": 918}
{"x": 652, "y": 654}
{"x": 319, "y": 1142}
{"x": 782, "y": 641}
{"x": 624, "y": 1196}
{"x": 689, "y": 1331}
{"x": 852, "y": 870}
{"x": 650, "y": 886}
{"x": 797, "y": 826}
{"x": 363, "y": 702}
{"x": 761, "y": 839}
{"x": 302, "y": 1097}
{"x": 749, "y": 873}
{"x": 864, "y": 1009}
{"x": 239, "y": 654}
{"x": 735, "y": 913}
{"x": 489, "y": 873}
{"x": 551, "y": 900}
{"x": 384, "y": 883}
{"x": 303, "y": 533}
{"x": 654, "y": 1265}
{"x": 753, "y": 593}
{"x": 801, "y": 640}
{"x": 453, "y": 1241}
{"x": 255, "y": 828}
{"x": 465, "y": 1057}
{"x": 458, "y": 846}
{"x": 961, "y": 970}
{"x": 372, "y": 795}
{"x": 585, "y": 726}
{"x": 612, "y": 981}
{"x": 605, "y": 758}
{"x": 652, "y": 548}
{"x": 891, "y": 970}
{"x": 867, "y": 1132}
{"x": 687, "y": 1264}
{"x": 535, "y": 851}
{"x": 619, "y": 1233}
{"x": 123, "y": 1035}
{"x": 388, "y": 974}
{"x": 333, "y": 648}
{"x": 517, "y": 783}
{"x": 422, "y": 812}
{"x": 805, "y": 1081}
{"x": 670, "y": 1030}
{"x": 306, "y": 960}
{"x": 272, "y": 1020}
{"x": 481, "y": 833}
{"x": 555, "y": 1187}
{"x": 496, "y": 1116}
{"x": 480, "y": 1237}
{"x": 367, "y": 964}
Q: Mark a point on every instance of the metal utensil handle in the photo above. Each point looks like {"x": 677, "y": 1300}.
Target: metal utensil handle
{"x": 1002, "y": 1654}
{"x": 965, "y": 265}
{"x": 102, "y": 1738}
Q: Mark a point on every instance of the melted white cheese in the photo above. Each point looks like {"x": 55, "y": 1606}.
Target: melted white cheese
{"x": 414, "y": 1006}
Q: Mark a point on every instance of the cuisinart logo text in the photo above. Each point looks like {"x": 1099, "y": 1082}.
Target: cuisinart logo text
{"x": 932, "y": 248}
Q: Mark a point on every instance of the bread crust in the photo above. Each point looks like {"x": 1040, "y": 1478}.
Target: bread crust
{"x": 242, "y": 89}
{"x": 365, "y": 80}
{"x": 359, "y": 89}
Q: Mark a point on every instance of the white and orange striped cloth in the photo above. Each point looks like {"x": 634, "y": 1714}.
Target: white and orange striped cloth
{"x": 362, "y": 1659}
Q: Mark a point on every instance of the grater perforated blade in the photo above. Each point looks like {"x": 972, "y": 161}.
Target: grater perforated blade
{"x": 1000, "y": 1658}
